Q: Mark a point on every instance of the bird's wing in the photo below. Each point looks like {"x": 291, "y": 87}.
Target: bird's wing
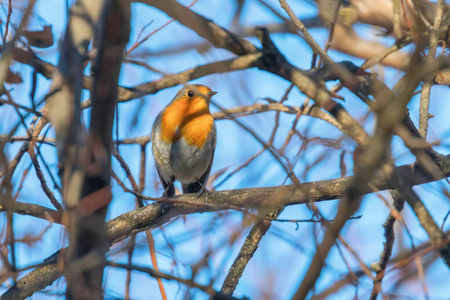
{"x": 171, "y": 190}
{"x": 196, "y": 186}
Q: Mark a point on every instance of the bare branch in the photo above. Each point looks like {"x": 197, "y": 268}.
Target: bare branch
{"x": 426, "y": 87}
{"x": 247, "y": 250}
{"x": 388, "y": 226}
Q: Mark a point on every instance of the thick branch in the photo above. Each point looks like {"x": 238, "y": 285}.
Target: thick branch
{"x": 87, "y": 231}
{"x": 150, "y": 216}
{"x": 218, "y": 36}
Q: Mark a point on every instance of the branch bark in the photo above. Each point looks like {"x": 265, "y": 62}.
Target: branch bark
{"x": 247, "y": 250}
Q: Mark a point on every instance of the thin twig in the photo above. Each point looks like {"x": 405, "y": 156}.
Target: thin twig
{"x": 44, "y": 185}
{"x": 188, "y": 282}
{"x": 328, "y": 44}
{"x": 138, "y": 43}
{"x": 131, "y": 244}
{"x": 277, "y": 115}
{"x": 151, "y": 246}
{"x": 389, "y": 234}
{"x": 424, "y": 114}
{"x": 306, "y": 36}
{"x": 244, "y": 165}
{"x": 8, "y": 19}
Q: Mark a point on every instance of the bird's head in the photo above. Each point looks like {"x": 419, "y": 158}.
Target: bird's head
{"x": 196, "y": 94}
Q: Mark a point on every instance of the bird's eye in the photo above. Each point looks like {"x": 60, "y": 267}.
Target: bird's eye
{"x": 190, "y": 93}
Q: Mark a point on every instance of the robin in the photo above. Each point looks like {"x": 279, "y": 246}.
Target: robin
{"x": 184, "y": 139}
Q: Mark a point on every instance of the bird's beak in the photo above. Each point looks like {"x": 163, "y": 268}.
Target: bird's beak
{"x": 212, "y": 93}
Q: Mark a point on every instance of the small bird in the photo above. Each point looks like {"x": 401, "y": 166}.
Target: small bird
{"x": 184, "y": 140}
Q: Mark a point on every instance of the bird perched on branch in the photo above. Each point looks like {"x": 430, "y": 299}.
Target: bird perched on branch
{"x": 184, "y": 139}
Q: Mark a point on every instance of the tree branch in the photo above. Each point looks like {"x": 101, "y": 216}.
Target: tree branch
{"x": 87, "y": 231}
{"x": 150, "y": 216}
{"x": 247, "y": 250}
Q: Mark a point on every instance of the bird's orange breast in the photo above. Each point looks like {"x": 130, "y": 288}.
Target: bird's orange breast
{"x": 189, "y": 119}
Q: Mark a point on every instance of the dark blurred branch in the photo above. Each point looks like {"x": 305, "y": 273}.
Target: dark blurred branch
{"x": 6, "y": 194}
{"x": 64, "y": 112}
{"x": 391, "y": 112}
{"x": 87, "y": 237}
{"x": 432, "y": 229}
{"x": 400, "y": 260}
{"x": 8, "y": 48}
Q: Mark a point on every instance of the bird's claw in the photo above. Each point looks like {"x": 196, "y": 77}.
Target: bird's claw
{"x": 165, "y": 207}
{"x": 207, "y": 193}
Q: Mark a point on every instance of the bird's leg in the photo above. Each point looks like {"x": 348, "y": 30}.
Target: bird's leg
{"x": 204, "y": 191}
{"x": 168, "y": 187}
{"x": 165, "y": 206}
{"x": 165, "y": 193}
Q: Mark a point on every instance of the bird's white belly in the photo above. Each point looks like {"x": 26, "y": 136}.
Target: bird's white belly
{"x": 189, "y": 163}
{"x": 184, "y": 162}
